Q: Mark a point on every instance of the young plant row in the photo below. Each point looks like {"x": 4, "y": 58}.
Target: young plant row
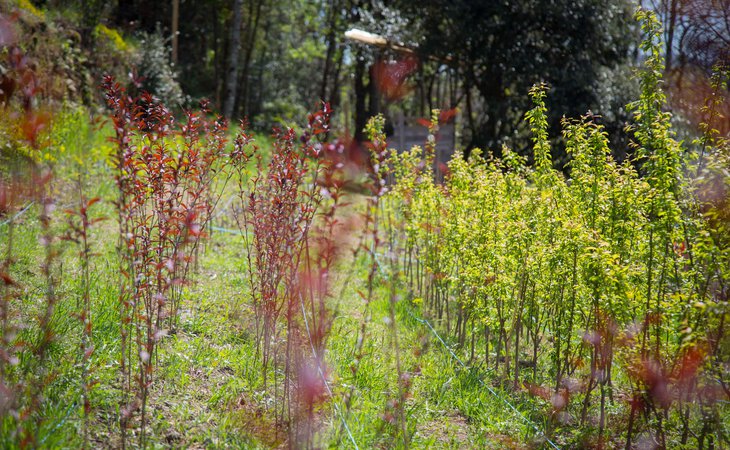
{"x": 292, "y": 233}
{"x": 604, "y": 293}
{"x": 169, "y": 176}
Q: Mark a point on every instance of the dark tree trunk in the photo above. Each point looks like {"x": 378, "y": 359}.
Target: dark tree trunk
{"x": 331, "y": 48}
{"x": 671, "y": 25}
{"x": 361, "y": 94}
{"x": 252, "y": 26}
{"x": 373, "y": 94}
{"x": 233, "y": 53}
{"x": 335, "y": 93}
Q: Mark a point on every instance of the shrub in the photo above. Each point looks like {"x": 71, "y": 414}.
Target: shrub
{"x": 157, "y": 74}
{"x": 165, "y": 175}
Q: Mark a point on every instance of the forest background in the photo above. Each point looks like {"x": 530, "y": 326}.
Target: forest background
{"x": 271, "y": 61}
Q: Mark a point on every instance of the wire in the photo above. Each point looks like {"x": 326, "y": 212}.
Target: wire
{"x": 324, "y": 379}
{"x": 227, "y": 230}
{"x": 20, "y": 213}
{"x": 492, "y": 391}
{"x": 60, "y": 422}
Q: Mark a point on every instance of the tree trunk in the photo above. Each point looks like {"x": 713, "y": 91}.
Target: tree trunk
{"x": 335, "y": 93}
{"x": 671, "y": 25}
{"x": 251, "y": 32}
{"x": 374, "y": 95}
{"x": 233, "y": 51}
{"x": 331, "y": 47}
{"x": 361, "y": 92}
{"x": 255, "y": 102}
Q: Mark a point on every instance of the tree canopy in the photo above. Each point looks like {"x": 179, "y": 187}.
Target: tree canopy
{"x": 502, "y": 48}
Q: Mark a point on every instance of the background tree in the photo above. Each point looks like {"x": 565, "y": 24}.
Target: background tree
{"x": 500, "y": 49}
